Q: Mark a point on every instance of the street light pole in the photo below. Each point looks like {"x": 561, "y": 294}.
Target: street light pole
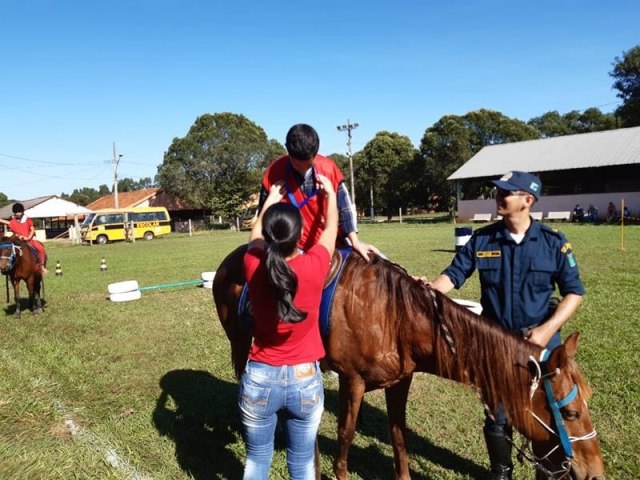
{"x": 116, "y": 161}
{"x": 347, "y": 128}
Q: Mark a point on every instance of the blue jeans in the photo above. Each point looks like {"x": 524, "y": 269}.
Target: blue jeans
{"x": 298, "y": 394}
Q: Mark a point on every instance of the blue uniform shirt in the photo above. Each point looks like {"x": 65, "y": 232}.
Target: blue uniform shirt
{"x": 517, "y": 280}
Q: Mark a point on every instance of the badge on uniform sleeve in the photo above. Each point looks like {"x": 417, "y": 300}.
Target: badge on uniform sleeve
{"x": 571, "y": 259}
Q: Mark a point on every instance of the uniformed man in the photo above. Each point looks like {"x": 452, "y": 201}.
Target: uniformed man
{"x": 519, "y": 261}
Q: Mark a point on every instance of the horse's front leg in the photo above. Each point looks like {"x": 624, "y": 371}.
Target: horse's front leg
{"x": 16, "y": 296}
{"x": 349, "y": 400}
{"x": 396, "y": 397}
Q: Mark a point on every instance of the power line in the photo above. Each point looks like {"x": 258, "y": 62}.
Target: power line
{"x": 43, "y": 161}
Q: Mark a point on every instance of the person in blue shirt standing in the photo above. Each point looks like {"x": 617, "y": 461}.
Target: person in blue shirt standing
{"x": 519, "y": 262}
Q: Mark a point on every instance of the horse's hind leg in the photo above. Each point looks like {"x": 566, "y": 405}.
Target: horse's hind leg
{"x": 349, "y": 400}
{"x": 396, "y": 397}
{"x": 31, "y": 287}
{"x": 37, "y": 306}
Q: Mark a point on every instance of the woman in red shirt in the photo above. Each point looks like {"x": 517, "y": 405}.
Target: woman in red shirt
{"x": 282, "y": 374}
{"x": 23, "y": 228}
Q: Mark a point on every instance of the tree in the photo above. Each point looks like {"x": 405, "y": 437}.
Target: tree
{"x": 626, "y": 72}
{"x": 131, "y": 185}
{"x": 83, "y": 196}
{"x": 4, "y": 200}
{"x": 380, "y": 163}
{"x": 217, "y": 165}
{"x": 453, "y": 140}
{"x": 552, "y": 124}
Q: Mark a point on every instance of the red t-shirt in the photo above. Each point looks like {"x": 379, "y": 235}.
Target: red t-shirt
{"x": 313, "y": 211}
{"x": 277, "y": 343}
{"x": 19, "y": 228}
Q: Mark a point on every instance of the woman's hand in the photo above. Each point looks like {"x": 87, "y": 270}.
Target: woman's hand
{"x": 325, "y": 184}
{"x": 276, "y": 193}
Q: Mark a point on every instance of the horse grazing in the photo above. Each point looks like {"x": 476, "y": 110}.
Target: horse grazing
{"x": 19, "y": 262}
{"x": 385, "y": 326}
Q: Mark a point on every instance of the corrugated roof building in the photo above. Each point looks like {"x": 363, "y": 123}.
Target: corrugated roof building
{"x": 585, "y": 150}
{"x": 588, "y": 169}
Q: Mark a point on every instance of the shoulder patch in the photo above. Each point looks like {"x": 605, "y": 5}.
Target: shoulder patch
{"x": 565, "y": 247}
{"x": 553, "y": 231}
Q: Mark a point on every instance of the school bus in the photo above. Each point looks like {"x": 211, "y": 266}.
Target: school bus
{"x": 113, "y": 224}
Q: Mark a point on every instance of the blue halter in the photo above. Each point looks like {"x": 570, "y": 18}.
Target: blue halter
{"x": 556, "y": 405}
{"x": 12, "y": 257}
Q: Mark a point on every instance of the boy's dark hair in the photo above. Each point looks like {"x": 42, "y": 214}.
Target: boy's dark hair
{"x": 17, "y": 207}
{"x": 281, "y": 227}
{"x": 302, "y": 142}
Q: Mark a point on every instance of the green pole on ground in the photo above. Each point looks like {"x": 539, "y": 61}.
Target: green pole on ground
{"x": 169, "y": 285}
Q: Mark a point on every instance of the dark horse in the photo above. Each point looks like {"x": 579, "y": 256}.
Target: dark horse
{"x": 18, "y": 261}
{"x": 385, "y": 325}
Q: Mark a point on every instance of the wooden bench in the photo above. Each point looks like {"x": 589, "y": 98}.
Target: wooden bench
{"x": 481, "y": 217}
{"x": 558, "y": 216}
{"x": 536, "y": 215}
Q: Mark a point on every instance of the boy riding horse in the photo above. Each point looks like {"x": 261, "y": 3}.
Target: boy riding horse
{"x": 23, "y": 228}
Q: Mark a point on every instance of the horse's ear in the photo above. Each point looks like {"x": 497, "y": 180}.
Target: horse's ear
{"x": 571, "y": 344}
{"x": 561, "y": 356}
{"x": 558, "y": 359}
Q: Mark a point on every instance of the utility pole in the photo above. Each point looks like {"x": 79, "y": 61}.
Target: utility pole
{"x": 116, "y": 161}
{"x": 347, "y": 128}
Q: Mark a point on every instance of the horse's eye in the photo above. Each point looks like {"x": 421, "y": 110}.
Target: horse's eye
{"x": 570, "y": 415}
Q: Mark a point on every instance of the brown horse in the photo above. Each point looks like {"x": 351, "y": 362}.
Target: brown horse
{"x": 18, "y": 261}
{"x": 385, "y": 326}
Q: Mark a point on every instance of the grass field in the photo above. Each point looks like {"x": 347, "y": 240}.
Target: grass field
{"x": 144, "y": 389}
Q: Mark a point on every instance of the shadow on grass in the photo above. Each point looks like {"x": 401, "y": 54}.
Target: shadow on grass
{"x": 198, "y": 412}
{"x": 25, "y": 307}
{"x": 371, "y": 463}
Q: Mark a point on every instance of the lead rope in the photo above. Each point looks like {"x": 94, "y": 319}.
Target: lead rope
{"x": 522, "y": 452}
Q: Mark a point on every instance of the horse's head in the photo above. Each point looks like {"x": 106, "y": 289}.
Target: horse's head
{"x": 563, "y": 437}
{"x": 7, "y": 255}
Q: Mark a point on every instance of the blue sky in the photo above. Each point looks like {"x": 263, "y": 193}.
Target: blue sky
{"x": 76, "y": 76}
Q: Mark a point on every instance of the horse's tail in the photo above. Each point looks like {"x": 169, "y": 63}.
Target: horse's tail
{"x": 227, "y": 287}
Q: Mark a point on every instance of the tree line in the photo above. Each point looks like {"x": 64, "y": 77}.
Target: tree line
{"x": 218, "y": 164}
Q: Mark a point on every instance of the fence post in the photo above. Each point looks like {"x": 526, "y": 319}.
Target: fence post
{"x": 190, "y": 229}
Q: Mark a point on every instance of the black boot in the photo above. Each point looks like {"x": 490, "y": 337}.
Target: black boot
{"x": 499, "y": 449}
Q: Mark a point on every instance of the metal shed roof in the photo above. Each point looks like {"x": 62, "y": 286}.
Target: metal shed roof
{"x": 597, "y": 149}
{"x": 46, "y": 207}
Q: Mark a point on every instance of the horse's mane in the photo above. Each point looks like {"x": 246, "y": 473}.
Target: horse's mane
{"x": 488, "y": 356}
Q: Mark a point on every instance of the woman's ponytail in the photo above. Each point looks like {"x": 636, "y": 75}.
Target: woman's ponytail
{"x": 282, "y": 225}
